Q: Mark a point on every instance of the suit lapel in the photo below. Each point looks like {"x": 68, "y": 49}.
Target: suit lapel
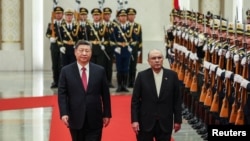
{"x": 164, "y": 82}
{"x": 152, "y": 81}
{"x": 91, "y": 74}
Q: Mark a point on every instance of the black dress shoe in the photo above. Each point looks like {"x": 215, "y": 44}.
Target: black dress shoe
{"x": 131, "y": 85}
{"x": 202, "y": 131}
{"x": 124, "y": 89}
{"x": 204, "y": 136}
{"x": 119, "y": 89}
{"x": 185, "y": 112}
{"x": 53, "y": 85}
{"x": 198, "y": 125}
{"x": 111, "y": 85}
{"x": 193, "y": 121}
{"x": 188, "y": 116}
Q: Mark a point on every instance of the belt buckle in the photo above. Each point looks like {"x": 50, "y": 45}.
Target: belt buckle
{"x": 123, "y": 44}
{"x": 70, "y": 42}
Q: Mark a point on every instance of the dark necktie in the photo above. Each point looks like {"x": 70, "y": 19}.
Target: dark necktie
{"x": 84, "y": 78}
{"x": 69, "y": 27}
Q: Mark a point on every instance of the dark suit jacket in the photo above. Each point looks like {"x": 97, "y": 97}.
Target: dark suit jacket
{"x": 147, "y": 107}
{"x": 78, "y": 104}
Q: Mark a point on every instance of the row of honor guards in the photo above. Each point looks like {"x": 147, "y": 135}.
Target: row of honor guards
{"x": 211, "y": 57}
{"x": 118, "y": 41}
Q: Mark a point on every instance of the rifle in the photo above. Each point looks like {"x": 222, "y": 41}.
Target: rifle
{"x": 235, "y": 104}
{"x": 243, "y": 96}
{"x": 240, "y": 114}
{"x": 224, "y": 113}
{"x": 76, "y": 15}
{"x": 101, "y": 3}
{"x": 215, "y": 103}
{"x": 196, "y": 65}
{"x": 53, "y": 33}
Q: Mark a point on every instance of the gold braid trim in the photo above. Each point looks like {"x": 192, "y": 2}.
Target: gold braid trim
{"x": 123, "y": 35}
{"x": 102, "y": 32}
{"x": 67, "y": 32}
{"x": 139, "y": 29}
{"x": 77, "y": 29}
{"x": 130, "y": 32}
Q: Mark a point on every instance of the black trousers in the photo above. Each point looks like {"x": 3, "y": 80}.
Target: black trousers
{"x": 109, "y": 66}
{"x": 155, "y": 135}
{"x": 56, "y": 61}
{"x": 133, "y": 68}
{"x": 86, "y": 133}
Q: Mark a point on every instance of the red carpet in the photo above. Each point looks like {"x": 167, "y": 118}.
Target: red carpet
{"x": 119, "y": 128}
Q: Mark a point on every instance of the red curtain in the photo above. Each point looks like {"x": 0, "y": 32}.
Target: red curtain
{"x": 176, "y": 4}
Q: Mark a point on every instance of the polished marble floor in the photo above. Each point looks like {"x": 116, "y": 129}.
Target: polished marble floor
{"x": 34, "y": 124}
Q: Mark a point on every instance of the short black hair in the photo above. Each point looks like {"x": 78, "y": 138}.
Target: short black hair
{"x": 83, "y": 42}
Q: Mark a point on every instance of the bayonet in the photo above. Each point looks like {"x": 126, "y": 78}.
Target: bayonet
{"x": 244, "y": 34}
{"x": 228, "y": 39}
{"x": 235, "y": 31}
{"x": 205, "y": 26}
{"x": 221, "y": 38}
{"x": 55, "y": 3}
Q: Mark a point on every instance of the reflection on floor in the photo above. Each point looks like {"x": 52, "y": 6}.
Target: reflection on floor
{"x": 34, "y": 124}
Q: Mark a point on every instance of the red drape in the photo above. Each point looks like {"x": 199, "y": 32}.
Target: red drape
{"x": 176, "y": 4}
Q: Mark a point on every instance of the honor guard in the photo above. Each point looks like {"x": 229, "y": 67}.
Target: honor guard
{"x": 83, "y": 24}
{"x": 169, "y": 36}
{"x": 53, "y": 33}
{"x": 69, "y": 36}
{"x": 137, "y": 50}
{"x": 96, "y": 37}
{"x": 245, "y": 82}
{"x": 109, "y": 49}
{"x": 124, "y": 41}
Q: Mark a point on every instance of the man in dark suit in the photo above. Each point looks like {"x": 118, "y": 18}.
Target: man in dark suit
{"x": 156, "y": 101}
{"x": 83, "y": 96}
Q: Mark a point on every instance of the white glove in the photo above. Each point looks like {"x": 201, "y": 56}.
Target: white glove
{"x": 205, "y": 47}
{"x": 228, "y": 54}
{"x": 196, "y": 40}
{"x": 102, "y": 47}
{"x": 130, "y": 49}
{"x": 118, "y": 50}
{"x": 52, "y": 39}
{"x": 236, "y": 57}
{"x": 228, "y": 74}
{"x": 179, "y": 33}
{"x": 243, "y": 61}
{"x": 62, "y": 50}
{"x": 238, "y": 78}
{"x": 207, "y": 64}
{"x": 220, "y": 52}
{"x": 213, "y": 67}
{"x": 183, "y": 35}
{"x": 186, "y": 36}
{"x": 244, "y": 83}
{"x": 191, "y": 38}
{"x": 170, "y": 53}
{"x": 138, "y": 53}
{"x": 219, "y": 71}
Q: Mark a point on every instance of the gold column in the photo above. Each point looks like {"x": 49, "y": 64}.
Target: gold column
{"x": 11, "y": 23}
